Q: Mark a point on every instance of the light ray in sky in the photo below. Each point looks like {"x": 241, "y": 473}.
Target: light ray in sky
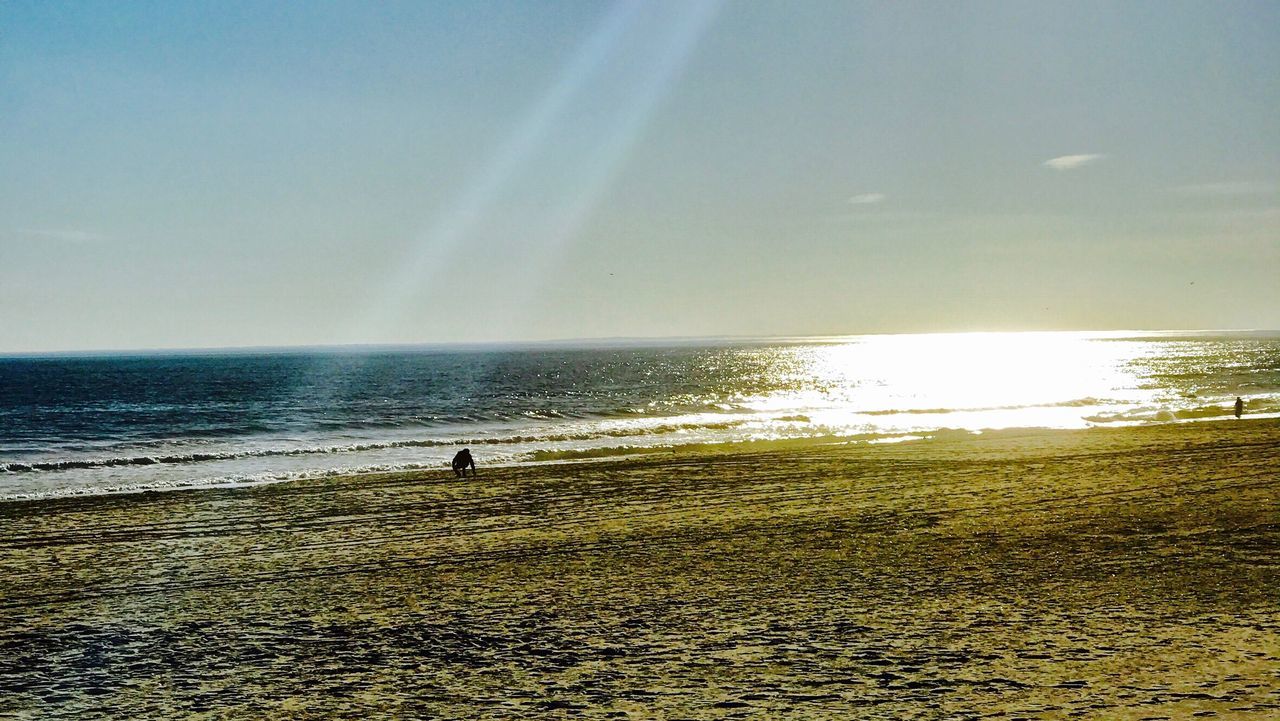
{"x": 433, "y": 250}
{"x": 670, "y": 53}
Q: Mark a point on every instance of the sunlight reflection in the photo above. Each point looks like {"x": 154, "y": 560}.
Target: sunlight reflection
{"x": 979, "y": 380}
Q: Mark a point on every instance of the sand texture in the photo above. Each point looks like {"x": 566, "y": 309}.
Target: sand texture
{"x": 1118, "y": 574}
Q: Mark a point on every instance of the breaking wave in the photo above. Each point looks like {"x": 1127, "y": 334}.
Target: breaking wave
{"x": 197, "y": 457}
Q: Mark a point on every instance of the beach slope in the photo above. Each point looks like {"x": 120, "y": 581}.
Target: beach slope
{"x": 1120, "y": 573}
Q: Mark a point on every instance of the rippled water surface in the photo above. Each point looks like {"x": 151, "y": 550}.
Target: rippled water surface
{"x": 97, "y": 424}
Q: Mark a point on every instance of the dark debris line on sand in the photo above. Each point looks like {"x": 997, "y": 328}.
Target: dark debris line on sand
{"x": 1115, "y": 574}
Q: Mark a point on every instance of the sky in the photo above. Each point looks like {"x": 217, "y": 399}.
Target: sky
{"x": 246, "y": 173}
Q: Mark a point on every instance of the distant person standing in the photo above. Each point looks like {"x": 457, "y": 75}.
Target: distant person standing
{"x": 461, "y": 461}
{"x": 1239, "y": 406}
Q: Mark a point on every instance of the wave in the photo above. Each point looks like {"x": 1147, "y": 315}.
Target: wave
{"x": 1087, "y": 402}
{"x": 1163, "y": 415}
{"x": 235, "y": 481}
{"x": 198, "y": 457}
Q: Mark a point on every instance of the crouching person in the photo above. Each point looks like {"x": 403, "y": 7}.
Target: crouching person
{"x": 461, "y": 461}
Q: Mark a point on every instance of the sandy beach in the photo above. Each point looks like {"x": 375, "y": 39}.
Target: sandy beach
{"x": 1119, "y": 573}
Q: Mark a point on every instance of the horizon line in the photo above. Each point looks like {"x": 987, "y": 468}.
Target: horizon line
{"x": 571, "y": 342}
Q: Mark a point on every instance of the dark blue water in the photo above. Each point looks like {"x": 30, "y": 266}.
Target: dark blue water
{"x": 82, "y": 402}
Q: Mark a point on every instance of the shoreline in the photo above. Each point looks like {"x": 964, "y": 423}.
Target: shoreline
{"x": 1121, "y": 573}
{"x": 614, "y": 454}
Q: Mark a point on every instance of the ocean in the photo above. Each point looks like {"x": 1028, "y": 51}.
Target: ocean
{"x": 91, "y": 424}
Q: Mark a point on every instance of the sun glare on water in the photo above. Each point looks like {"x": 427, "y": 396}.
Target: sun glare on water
{"x": 980, "y": 380}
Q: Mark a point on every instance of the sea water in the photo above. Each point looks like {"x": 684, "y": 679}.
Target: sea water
{"x": 87, "y": 424}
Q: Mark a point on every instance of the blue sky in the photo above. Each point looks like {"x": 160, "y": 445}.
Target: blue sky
{"x": 178, "y": 174}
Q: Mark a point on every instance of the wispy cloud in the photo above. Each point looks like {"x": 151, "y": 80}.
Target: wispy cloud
{"x": 867, "y": 199}
{"x": 1232, "y": 188}
{"x": 1071, "y": 162}
{"x": 61, "y": 236}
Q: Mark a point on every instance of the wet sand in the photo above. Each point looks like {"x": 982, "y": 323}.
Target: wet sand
{"x": 1118, "y": 573}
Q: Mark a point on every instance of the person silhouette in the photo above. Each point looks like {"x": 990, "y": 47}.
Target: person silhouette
{"x": 461, "y": 461}
{"x": 1239, "y": 406}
